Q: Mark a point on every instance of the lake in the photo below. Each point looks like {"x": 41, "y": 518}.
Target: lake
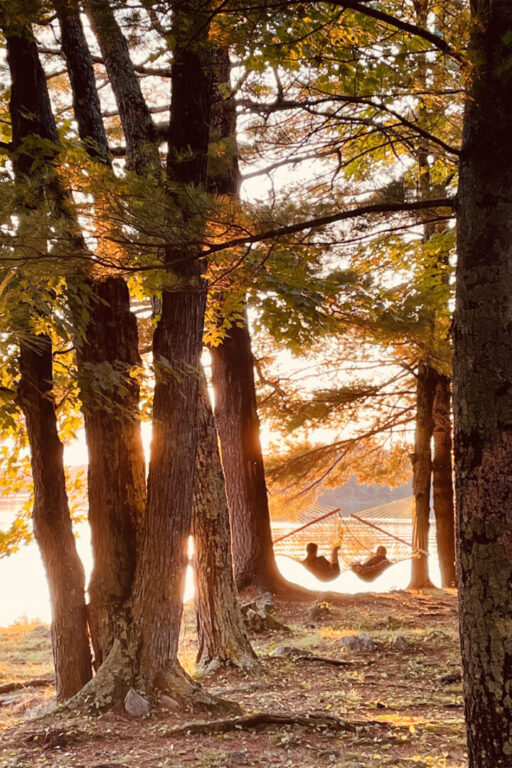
{"x": 24, "y": 592}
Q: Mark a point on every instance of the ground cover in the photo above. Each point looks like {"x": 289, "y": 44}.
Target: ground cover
{"x": 397, "y": 705}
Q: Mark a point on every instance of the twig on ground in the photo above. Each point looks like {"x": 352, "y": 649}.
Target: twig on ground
{"x": 35, "y": 682}
{"x": 262, "y": 719}
{"x": 334, "y": 662}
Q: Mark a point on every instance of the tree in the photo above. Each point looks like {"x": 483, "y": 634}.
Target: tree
{"x": 52, "y": 522}
{"x": 109, "y": 345}
{"x": 482, "y": 387}
{"x": 222, "y": 638}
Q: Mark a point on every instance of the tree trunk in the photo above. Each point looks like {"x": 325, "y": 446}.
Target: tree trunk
{"x": 86, "y": 102}
{"x": 237, "y": 422}
{"x": 442, "y": 481}
{"x": 52, "y": 522}
{"x": 177, "y": 345}
{"x": 116, "y": 475}
{"x": 422, "y": 465}
{"x": 109, "y": 340}
{"x": 141, "y": 141}
{"x": 236, "y": 414}
{"x": 483, "y": 387}
{"x": 221, "y": 633}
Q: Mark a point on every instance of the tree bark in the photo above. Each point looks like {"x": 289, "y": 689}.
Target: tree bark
{"x": 116, "y": 472}
{"x": 52, "y": 521}
{"x": 236, "y": 414}
{"x": 222, "y": 638}
{"x": 442, "y": 481}
{"x": 177, "y": 345}
{"x": 141, "y": 141}
{"x": 483, "y": 387}
{"x": 86, "y": 102}
{"x": 237, "y": 423}
{"x": 116, "y": 477}
{"x": 422, "y": 465}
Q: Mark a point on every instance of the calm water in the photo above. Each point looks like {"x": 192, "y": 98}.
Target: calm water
{"x": 24, "y": 593}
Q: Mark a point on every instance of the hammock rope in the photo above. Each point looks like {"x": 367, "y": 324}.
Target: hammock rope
{"x": 357, "y": 536}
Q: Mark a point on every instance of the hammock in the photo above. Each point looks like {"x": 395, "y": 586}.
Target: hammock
{"x": 358, "y": 536}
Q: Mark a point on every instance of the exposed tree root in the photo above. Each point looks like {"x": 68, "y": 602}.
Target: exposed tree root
{"x": 334, "y": 662}
{"x": 109, "y": 686}
{"x": 179, "y": 686}
{"x": 35, "y": 682}
{"x": 244, "y": 662}
{"x": 117, "y": 675}
{"x": 262, "y": 719}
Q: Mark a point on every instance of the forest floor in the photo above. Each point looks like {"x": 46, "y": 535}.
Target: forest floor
{"x": 403, "y": 709}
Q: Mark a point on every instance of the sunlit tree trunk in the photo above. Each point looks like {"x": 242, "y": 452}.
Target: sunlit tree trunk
{"x": 222, "y": 638}
{"x": 107, "y": 337}
{"x": 52, "y": 522}
{"x": 237, "y": 422}
{"x": 483, "y": 389}
{"x": 236, "y": 413}
{"x": 177, "y": 346}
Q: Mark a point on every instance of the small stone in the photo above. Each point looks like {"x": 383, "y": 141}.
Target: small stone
{"x": 290, "y": 650}
{"x": 357, "y": 643}
{"x": 169, "y": 703}
{"x": 136, "y": 705}
{"x": 400, "y": 643}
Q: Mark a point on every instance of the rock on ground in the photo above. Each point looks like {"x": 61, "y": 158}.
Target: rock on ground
{"x": 136, "y": 705}
{"x": 357, "y": 643}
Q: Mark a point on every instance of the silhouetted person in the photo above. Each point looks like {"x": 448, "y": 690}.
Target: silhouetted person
{"x": 319, "y": 565}
{"x": 373, "y": 565}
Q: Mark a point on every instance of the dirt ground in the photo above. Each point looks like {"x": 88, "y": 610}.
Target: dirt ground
{"x": 399, "y": 698}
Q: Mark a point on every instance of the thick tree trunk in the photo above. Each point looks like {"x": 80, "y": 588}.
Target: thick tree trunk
{"x": 177, "y": 345}
{"x": 236, "y": 414}
{"x": 52, "y": 522}
{"x": 116, "y": 476}
{"x": 422, "y": 465}
{"x": 222, "y": 638}
{"x": 116, "y": 467}
{"x": 483, "y": 389}
{"x": 442, "y": 481}
{"x": 238, "y": 426}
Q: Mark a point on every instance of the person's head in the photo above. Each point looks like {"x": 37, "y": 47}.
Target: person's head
{"x": 312, "y": 549}
{"x": 382, "y": 551}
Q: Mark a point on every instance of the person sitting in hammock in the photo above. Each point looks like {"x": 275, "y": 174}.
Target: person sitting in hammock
{"x": 374, "y": 564}
{"x": 319, "y": 565}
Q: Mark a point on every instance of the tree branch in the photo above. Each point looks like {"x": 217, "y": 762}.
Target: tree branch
{"x": 439, "y": 42}
{"x": 322, "y": 221}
